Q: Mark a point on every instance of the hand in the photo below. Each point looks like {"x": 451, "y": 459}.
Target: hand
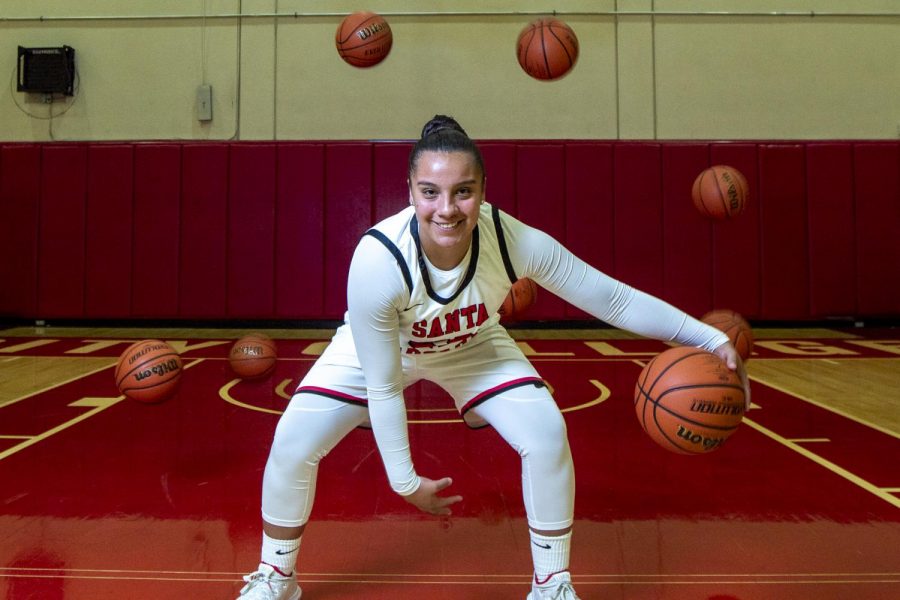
{"x": 426, "y": 497}
{"x": 733, "y": 360}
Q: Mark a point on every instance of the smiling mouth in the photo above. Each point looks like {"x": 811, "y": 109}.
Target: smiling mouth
{"x": 447, "y": 226}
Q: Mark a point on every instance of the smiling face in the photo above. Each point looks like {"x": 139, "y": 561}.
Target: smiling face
{"x": 447, "y": 189}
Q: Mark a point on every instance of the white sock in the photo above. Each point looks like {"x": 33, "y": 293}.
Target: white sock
{"x": 281, "y": 554}
{"x": 550, "y": 555}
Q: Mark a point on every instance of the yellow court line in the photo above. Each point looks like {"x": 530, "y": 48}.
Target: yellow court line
{"x": 809, "y": 440}
{"x": 14, "y": 437}
{"x": 99, "y": 404}
{"x": 56, "y": 385}
{"x": 840, "y": 471}
{"x": 836, "y": 411}
{"x": 61, "y": 427}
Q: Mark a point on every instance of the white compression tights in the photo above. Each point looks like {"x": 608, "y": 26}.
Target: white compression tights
{"x": 526, "y": 417}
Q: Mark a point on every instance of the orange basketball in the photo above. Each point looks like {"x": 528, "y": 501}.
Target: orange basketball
{"x": 688, "y": 401}
{"x": 720, "y": 192}
{"x": 547, "y": 49}
{"x": 735, "y": 327}
{"x": 148, "y": 371}
{"x": 363, "y": 39}
{"x": 253, "y": 356}
{"x": 521, "y": 295}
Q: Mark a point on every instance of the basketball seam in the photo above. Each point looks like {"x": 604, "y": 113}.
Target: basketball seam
{"x": 721, "y": 195}
{"x": 561, "y": 43}
{"x": 140, "y": 365}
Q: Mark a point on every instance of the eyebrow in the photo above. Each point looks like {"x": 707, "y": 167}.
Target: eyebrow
{"x": 466, "y": 182}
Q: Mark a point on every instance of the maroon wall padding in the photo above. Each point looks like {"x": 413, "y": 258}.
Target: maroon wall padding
{"x": 687, "y": 235}
{"x": 62, "y": 231}
{"x": 204, "y": 231}
{"x": 500, "y": 167}
{"x": 348, "y": 214}
{"x": 589, "y": 208}
{"x": 832, "y": 268}
{"x": 877, "y": 187}
{"x": 541, "y": 185}
{"x": 736, "y": 242}
{"x": 110, "y": 189}
{"x": 784, "y": 261}
{"x": 20, "y": 193}
{"x": 266, "y": 230}
{"x": 638, "y": 216}
{"x": 155, "y": 230}
{"x": 300, "y": 232}
{"x": 251, "y": 231}
{"x": 390, "y": 193}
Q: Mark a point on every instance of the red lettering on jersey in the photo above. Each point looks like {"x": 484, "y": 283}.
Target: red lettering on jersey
{"x": 451, "y": 322}
{"x": 436, "y": 330}
{"x": 482, "y": 314}
{"x": 418, "y": 328}
{"x": 467, "y": 313}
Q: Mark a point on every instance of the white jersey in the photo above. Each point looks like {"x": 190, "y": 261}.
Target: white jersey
{"x": 404, "y": 315}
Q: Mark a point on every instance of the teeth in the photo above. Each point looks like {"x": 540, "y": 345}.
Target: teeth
{"x": 447, "y": 225}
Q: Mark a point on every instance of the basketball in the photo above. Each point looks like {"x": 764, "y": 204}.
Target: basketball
{"x": 547, "y": 49}
{"x": 688, "y": 401}
{"x": 521, "y": 295}
{"x": 720, "y": 192}
{"x": 253, "y": 356}
{"x": 363, "y": 39}
{"x": 735, "y": 327}
{"x": 148, "y": 371}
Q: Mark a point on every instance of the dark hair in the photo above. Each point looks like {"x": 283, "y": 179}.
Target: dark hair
{"x": 444, "y": 134}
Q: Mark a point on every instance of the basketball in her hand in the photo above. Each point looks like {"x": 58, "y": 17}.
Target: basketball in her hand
{"x": 688, "y": 400}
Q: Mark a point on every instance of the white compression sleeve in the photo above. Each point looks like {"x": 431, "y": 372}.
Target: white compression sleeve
{"x": 537, "y": 255}
{"x": 376, "y": 293}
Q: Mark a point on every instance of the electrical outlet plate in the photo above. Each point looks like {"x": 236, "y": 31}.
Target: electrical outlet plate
{"x": 204, "y": 103}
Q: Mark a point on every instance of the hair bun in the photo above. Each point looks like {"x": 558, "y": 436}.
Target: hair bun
{"x": 440, "y": 123}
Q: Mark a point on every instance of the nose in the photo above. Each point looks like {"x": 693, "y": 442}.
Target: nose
{"x": 446, "y": 204}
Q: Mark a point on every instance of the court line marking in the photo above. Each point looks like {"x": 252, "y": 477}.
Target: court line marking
{"x": 831, "y": 409}
{"x": 56, "y": 385}
{"x": 520, "y": 581}
{"x": 99, "y": 404}
{"x": 840, "y": 471}
{"x": 225, "y": 394}
{"x": 463, "y": 575}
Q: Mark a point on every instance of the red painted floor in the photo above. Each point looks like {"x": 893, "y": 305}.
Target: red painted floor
{"x": 116, "y": 499}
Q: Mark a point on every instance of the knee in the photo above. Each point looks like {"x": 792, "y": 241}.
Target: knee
{"x": 549, "y": 441}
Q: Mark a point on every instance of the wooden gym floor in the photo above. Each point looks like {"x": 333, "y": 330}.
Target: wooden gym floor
{"x": 103, "y": 497}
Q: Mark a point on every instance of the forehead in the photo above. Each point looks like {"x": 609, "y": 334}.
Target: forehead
{"x": 433, "y": 163}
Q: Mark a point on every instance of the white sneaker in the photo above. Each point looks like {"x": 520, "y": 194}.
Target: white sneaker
{"x": 267, "y": 584}
{"x": 558, "y": 587}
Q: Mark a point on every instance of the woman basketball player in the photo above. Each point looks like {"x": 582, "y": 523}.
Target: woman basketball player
{"x": 423, "y": 292}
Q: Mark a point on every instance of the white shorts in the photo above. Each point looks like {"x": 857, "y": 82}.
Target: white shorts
{"x": 488, "y": 364}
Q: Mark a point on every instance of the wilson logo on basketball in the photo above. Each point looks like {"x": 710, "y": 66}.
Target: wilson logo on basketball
{"x": 159, "y": 370}
{"x": 697, "y": 439}
{"x": 248, "y": 350}
{"x": 716, "y": 408}
{"x": 144, "y": 351}
{"x": 369, "y": 31}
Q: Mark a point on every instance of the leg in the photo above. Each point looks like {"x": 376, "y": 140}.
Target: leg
{"x": 311, "y": 426}
{"x": 529, "y": 420}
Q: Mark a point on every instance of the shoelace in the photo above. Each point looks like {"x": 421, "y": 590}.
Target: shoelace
{"x": 254, "y": 578}
{"x": 564, "y": 591}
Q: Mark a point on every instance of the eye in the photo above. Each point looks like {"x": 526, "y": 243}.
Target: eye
{"x": 428, "y": 192}
{"x": 464, "y": 192}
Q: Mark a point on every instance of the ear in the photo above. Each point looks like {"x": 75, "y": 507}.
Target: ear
{"x": 409, "y": 186}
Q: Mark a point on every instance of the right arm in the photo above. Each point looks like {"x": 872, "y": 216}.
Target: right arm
{"x": 376, "y": 293}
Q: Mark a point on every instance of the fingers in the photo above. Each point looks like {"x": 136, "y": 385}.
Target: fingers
{"x": 442, "y": 484}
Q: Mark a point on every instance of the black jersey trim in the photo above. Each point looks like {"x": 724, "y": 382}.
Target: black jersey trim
{"x": 501, "y": 241}
{"x": 393, "y": 249}
{"x": 423, "y": 268}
